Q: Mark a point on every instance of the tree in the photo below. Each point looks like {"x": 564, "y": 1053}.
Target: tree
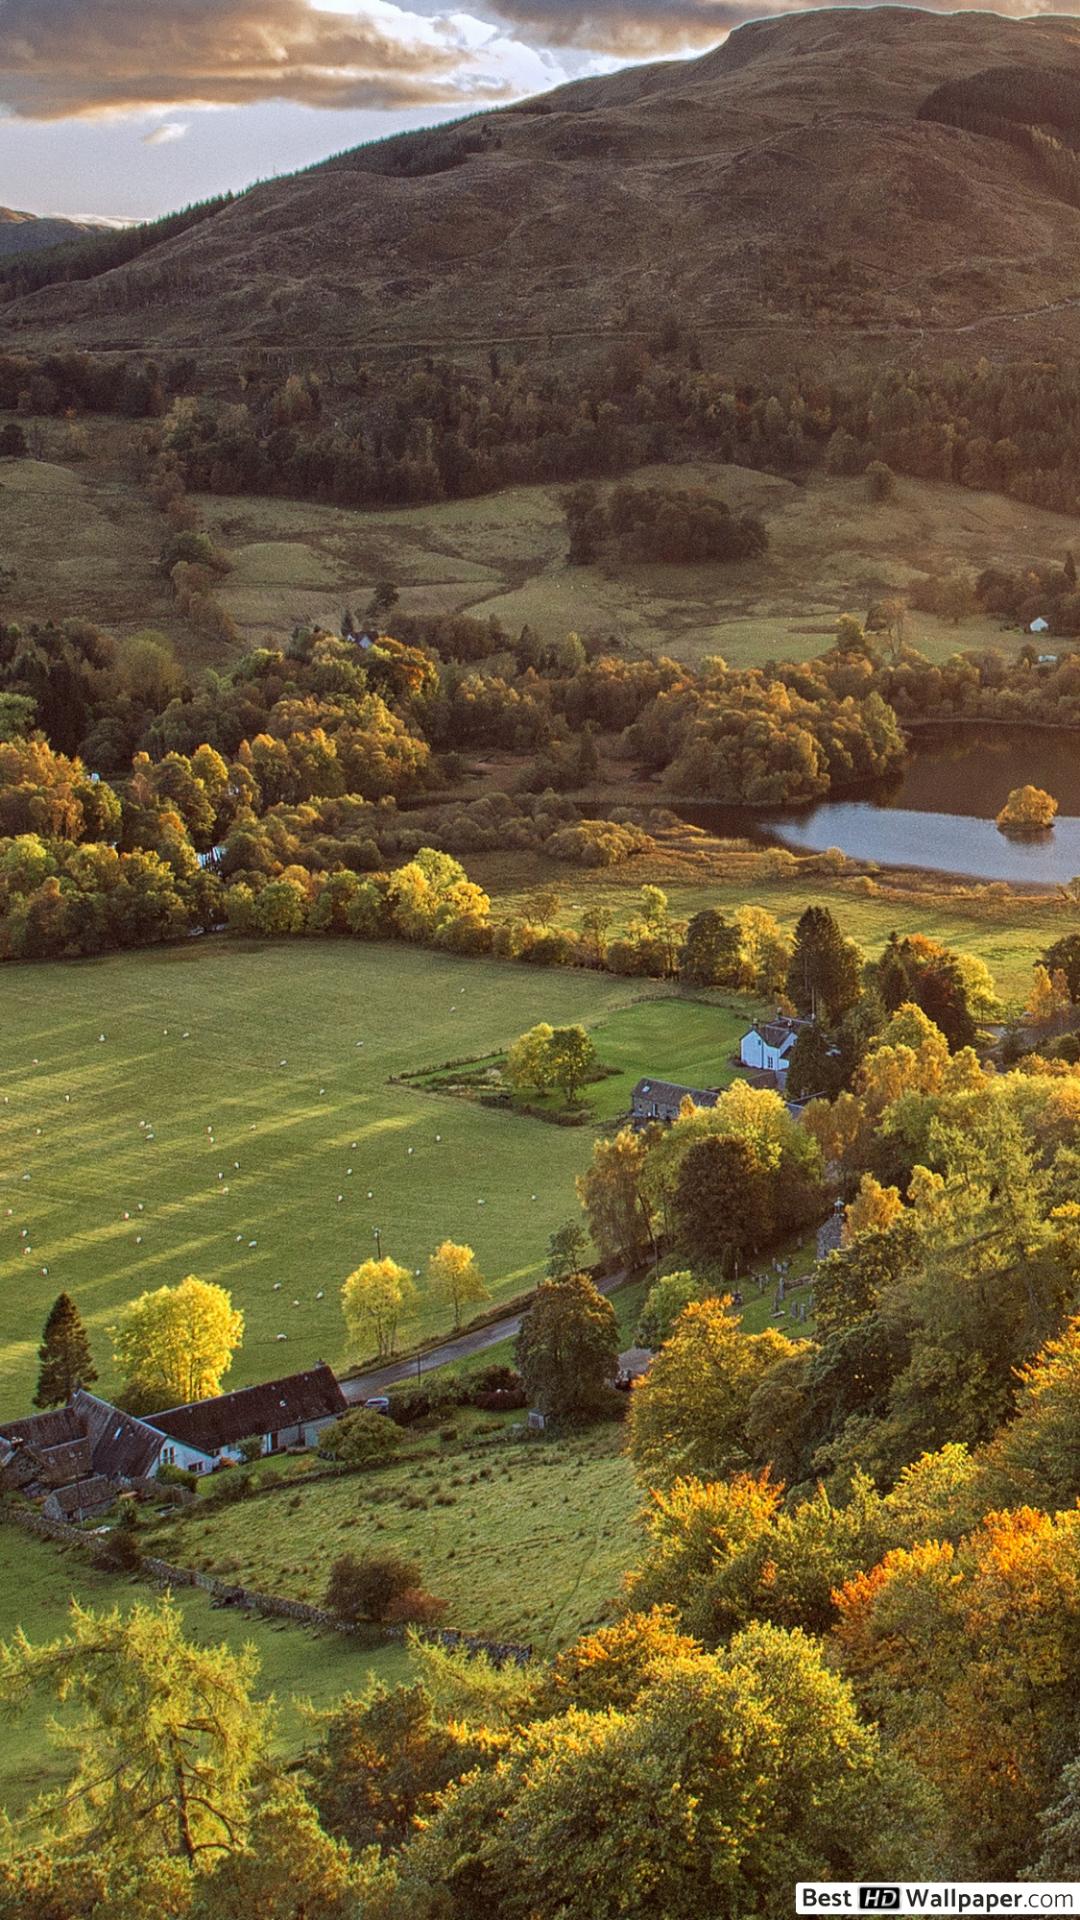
{"x": 874, "y": 1209}
{"x": 568, "y": 1347}
{"x": 710, "y": 951}
{"x": 64, "y": 1355}
{"x": 688, "y": 1416}
{"x": 880, "y": 482}
{"x": 176, "y": 1343}
{"x": 724, "y": 1780}
{"x": 1064, "y": 956}
{"x": 1028, "y": 810}
{"x": 567, "y": 1250}
{"x": 1049, "y": 1002}
{"x": 572, "y": 1057}
{"x": 529, "y": 1059}
{"x": 382, "y": 1759}
{"x": 367, "y": 1588}
{"x": 166, "y": 1736}
{"x": 662, "y": 1306}
{"x": 823, "y": 977}
{"x": 723, "y": 1203}
{"x": 620, "y": 1218}
{"x": 455, "y": 1279}
{"x": 374, "y": 1299}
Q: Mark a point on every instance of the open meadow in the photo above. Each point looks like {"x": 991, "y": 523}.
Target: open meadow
{"x": 38, "y": 1581}
{"x": 831, "y": 550}
{"x": 224, "y": 1109}
{"x": 525, "y": 1542}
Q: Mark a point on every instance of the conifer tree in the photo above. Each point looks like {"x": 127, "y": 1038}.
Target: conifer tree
{"x": 64, "y": 1355}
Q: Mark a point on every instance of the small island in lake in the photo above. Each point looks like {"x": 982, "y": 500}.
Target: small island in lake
{"x": 1028, "y": 810}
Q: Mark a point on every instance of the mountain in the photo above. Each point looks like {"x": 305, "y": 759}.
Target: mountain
{"x": 859, "y": 181}
{"x": 30, "y": 232}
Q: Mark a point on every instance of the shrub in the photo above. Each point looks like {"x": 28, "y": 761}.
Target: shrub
{"x": 361, "y": 1438}
{"x": 366, "y": 1589}
{"x": 415, "y": 1608}
{"x": 171, "y": 1476}
{"x": 251, "y": 1448}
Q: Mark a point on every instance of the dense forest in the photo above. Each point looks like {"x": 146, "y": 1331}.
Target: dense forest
{"x": 348, "y": 433}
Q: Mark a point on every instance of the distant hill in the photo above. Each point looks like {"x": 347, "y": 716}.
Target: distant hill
{"x": 31, "y": 233}
{"x": 863, "y": 181}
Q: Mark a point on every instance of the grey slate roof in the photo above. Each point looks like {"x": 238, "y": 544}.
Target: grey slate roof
{"x": 295, "y": 1401}
{"x": 667, "y": 1093}
{"x": 121, "y": 1446}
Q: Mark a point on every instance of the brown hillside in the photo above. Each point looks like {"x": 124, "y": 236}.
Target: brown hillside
{"x": 781, "y": 194}
{"x": 27, "y": 232}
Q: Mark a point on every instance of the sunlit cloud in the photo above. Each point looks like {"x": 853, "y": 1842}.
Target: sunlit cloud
{"x": 91, "y": 58}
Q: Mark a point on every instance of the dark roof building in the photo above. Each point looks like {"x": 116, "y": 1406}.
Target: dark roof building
{"x": 122, "y": 1447}
{"x": 276, "y": 1408}
{"x": 661, "y": 1099}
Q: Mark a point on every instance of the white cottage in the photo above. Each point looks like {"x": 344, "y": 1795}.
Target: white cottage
{"x": 767, "y": 1046}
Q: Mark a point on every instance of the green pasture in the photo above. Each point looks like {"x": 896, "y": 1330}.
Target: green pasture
{"x": 693, "y": 1042}
{"x": 118, "y": 1155}
{"x": 525, "y": 1541}
{"x": 1008, "y": 930}
{"x": 37, "y": 1584}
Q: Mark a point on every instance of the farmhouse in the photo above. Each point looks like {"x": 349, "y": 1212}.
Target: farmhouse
{"x": 654, "y": 1100}
{"x": 77, "y": 1458}
{"x": 281, "y": 1413}
{"x": 767, "y": 1046}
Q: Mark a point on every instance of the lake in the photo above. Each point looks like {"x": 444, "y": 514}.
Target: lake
{"x": 939, "y": 813}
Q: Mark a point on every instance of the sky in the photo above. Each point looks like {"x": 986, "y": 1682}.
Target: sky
{"x": 124, "y": 109}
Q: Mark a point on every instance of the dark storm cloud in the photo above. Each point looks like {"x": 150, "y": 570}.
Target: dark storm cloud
{"x": 81, "y": 58}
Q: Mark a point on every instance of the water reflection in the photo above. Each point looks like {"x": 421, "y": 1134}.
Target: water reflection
{"x": 939, "y": 813}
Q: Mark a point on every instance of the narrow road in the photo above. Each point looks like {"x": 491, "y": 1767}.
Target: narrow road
{"x": 365, "y": 1386}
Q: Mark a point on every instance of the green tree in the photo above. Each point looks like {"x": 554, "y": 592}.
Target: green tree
{"x": 529, "y": 1060}
{"x": 381, "y": 1761}
{"x": 64, "y": 1355}
{"x": 568, "y": 1347}
{"x": 823, "y": 977}
{"x": 176, "y": 1343}
{"x": 711, "y": 950}
{"x": 662, "y": 1306}
{"x": 567, "y": 1250}
{"x": 723, "y": 1202}
{"x": 165, "y": 1735}
{"x": 726, "y": 1779}
{"x": 361, "y": 1438}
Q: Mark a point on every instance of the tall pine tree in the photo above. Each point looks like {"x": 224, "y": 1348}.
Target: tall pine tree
{"x": 64, "y": 1354}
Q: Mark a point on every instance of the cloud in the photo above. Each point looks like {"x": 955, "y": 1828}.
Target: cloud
{"x": 638, "y": 29}
{"x": 167, "y": 131}
{"x": 62, "y": 59}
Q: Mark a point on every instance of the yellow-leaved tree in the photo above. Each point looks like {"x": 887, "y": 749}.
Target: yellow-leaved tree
{"x": 455, "y": 1279}
{"x": 873, "y": 1210}
{"x": 375, "y": 1299}
{"x": 175, "y": 1343}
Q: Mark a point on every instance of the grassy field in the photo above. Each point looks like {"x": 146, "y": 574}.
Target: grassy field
{"x": 830, "y": 551}
{"x": 38, "y": 1582}
{"x": 1006, "y": 928}
{"x": 118, "y": 1155}
{"x": 692, "y": 1040}
{"x": 525, "y": 1542}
